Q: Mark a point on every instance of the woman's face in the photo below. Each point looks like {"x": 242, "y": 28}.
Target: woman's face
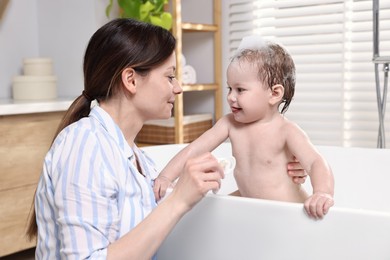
{"x": 156, "y": 92}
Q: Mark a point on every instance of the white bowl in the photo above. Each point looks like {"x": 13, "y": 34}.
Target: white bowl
{"x": 38, "y": 67}
{"x": 34, "y": 87}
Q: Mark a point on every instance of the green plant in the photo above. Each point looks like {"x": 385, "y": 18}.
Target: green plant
{"x": 150, "y": 11}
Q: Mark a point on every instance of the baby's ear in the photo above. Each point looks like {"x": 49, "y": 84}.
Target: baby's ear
{"x": 277, "y": 93}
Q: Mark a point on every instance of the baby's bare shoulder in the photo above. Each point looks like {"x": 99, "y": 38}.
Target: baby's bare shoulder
{"x": 290, "y": 126}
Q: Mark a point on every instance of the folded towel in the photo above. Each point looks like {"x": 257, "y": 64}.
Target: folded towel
{"x": 189, "y": 75}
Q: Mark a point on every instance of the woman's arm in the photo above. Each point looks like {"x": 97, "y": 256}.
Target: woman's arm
{"x": 201, "y": 174}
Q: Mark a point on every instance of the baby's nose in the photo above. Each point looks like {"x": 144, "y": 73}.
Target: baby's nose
{"x": 231, "y": 97}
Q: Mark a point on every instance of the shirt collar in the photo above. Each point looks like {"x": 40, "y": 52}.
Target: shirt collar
{"x": 113, "y": 130}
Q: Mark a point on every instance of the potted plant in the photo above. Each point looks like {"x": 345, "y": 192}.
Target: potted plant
{"x": 150, "y": 11}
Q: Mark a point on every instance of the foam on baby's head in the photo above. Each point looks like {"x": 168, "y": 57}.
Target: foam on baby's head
{"x": 253, "y": 49}
{"x": 251, "y": 46}
{"x": 252, "y": 42}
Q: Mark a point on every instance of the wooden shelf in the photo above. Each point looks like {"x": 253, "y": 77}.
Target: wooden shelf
{"x": 199, "y": 87}
{"x": 199, "y": 27}
{"x": 178, "y": 29}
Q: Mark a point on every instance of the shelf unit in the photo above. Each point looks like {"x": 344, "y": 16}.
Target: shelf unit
{"x": 179, "y": 28}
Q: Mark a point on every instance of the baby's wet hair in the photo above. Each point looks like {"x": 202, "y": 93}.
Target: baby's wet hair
{"x": 275, "y": 66}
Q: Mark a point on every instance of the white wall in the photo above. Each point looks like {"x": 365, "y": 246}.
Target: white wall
{"x": 18, "y": 39}
{"x": 57, "y": 29}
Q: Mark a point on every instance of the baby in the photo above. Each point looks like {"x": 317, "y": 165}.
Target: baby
{"x": 261, "y": 78}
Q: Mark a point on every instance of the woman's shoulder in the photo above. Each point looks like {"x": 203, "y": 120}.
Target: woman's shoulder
{"x": 82, "y": 126}
{"x": 80, "y": 133}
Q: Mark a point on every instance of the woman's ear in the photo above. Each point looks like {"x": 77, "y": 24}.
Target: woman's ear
{"x": 277, "y": 93}
{"x": 128, "y": 80}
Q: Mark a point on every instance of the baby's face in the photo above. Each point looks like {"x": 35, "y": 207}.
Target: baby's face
{"x": 248, "y": 98}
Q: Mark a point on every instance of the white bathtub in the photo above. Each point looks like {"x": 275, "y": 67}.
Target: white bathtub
{"x": 222, "y": 227}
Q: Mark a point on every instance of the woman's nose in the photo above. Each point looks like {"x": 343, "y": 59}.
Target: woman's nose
{"x": 177, "y": 89}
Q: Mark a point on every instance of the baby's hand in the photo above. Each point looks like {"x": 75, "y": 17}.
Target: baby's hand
{"x": 161, "y": 184}
{"x": 318, "y": 204}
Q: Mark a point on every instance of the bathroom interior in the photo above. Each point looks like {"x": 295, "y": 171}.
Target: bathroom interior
{"x": 341, "y": 49}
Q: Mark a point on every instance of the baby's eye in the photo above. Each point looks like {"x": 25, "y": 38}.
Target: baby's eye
{"x": 171, "y": 78}
{"x": 229, "y": 89}
{"x": 240, "y": 90}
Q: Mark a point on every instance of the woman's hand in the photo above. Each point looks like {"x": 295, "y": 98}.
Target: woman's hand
{"x": 201, "y": 174}
{"x": 296, "y": 171}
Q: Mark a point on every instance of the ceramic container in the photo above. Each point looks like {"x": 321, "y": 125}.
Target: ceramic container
{"x": 34, "y": 87}
{"x": 38, "y": 66}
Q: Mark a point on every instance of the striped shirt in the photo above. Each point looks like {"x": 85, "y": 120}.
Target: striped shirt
{"x": 90, "y": 193}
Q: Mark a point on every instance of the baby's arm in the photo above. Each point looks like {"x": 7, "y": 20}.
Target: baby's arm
{"x": 321, "y": 176}
{"x": 207, "y": 142}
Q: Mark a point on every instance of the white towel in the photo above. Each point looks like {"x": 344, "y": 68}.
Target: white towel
{"x": 183, "y": 61}
{"x": 189, "y": 75}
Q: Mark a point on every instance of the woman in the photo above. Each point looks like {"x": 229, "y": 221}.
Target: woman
{"x": 94, "y": 198}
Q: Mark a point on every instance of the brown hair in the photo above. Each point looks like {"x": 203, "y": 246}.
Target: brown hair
{"x": 275, "y": 66}
{"x": 117, "y": 45}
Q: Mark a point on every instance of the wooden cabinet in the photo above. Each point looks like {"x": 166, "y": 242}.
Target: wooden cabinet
{"x": 24, "y": 141}
{"x": 182, "y": 27}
